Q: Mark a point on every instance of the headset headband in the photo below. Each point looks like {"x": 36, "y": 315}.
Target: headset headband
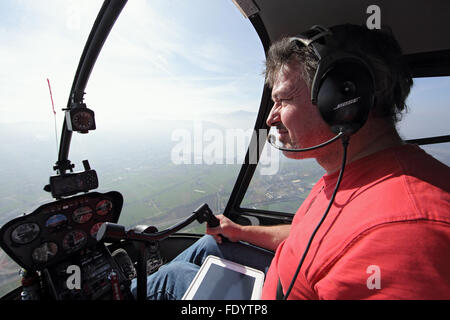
{"x": 316, "y": 32}
{"x": 309, "y": 38}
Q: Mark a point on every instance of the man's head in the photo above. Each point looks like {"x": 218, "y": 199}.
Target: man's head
{"x": 291, "y": 65}
{"x": 377, "y": 47}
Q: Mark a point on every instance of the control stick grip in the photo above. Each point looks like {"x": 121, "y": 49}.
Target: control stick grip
{"x": 205, "y": 214}
{"x": 213, "y": 221}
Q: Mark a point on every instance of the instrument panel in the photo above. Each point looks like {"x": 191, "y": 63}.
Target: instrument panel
{"x": 56, "y": 230}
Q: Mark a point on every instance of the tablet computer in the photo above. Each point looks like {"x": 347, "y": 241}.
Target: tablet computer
{"x": 220, "y": 279}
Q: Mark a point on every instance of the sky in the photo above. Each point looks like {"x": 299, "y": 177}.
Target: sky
{"x": 163, "y": 59}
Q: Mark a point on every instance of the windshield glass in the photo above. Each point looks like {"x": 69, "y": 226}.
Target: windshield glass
{"x": 175, "y": 92}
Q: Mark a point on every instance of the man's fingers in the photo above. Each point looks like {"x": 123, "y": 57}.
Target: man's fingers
{"x": 214, "y": 230}
{"x": 217, "y": 238}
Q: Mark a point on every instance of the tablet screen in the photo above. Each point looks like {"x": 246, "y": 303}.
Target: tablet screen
{"x": 221, "y": 283}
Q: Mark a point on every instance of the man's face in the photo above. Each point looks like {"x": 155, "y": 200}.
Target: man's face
{"x": 297, "y": 120}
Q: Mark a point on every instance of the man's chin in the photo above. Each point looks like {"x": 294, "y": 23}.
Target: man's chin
{"x": 294, "y": 154}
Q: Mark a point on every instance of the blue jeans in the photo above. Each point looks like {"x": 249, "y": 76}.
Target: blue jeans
{"x": 173, "y": 279}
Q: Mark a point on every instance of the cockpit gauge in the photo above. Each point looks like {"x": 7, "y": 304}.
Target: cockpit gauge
{"x": 82, "y": 214}
{"x": 25, "y": 233}
{"x": 45, "y": 252}
{"x": 56, "y": 222}
{"x": 83, "y": 121}
{"x": 103, "y": 207}
{"x": 80, "y": 119}
{"x": 74, "y": 240}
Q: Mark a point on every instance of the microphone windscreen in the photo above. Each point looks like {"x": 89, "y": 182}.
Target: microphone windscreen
{"x": 272, "y": 139}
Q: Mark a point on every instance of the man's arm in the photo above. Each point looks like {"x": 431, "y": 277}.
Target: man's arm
{"x": 268, "y": 237}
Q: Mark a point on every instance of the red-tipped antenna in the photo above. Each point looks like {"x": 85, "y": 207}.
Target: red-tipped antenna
{"x": 54, "y": 114}
{"x": 51, "y": 96}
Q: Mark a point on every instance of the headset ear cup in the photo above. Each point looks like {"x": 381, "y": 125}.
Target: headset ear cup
{"x": 345, "y": 95}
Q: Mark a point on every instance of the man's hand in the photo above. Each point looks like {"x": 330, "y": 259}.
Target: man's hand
{"x": 230, "y": 230}
{"x": 268, "y": 237}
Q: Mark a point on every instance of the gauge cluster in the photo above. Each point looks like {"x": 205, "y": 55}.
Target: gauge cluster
{"x": 56, "y": 230}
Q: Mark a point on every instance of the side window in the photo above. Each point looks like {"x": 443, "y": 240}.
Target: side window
{"x": 284, "y": 187}
{"x": 428, "y": 115}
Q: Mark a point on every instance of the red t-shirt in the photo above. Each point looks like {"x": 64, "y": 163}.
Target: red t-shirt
{"x": 386, "y": 236}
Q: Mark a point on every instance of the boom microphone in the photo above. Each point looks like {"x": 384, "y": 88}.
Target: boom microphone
{"x": 272, "y": 139}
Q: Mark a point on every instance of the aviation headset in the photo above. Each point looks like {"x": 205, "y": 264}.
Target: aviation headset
{"x": 343, "y": 89}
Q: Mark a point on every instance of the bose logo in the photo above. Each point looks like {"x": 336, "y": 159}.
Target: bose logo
{"x": 346, "y": 103}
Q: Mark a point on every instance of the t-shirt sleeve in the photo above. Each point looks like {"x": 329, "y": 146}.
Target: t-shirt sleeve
{"x": 401, "y": 260}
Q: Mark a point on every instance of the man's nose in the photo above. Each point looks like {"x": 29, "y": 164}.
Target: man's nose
{"x": 274, "y": 115}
